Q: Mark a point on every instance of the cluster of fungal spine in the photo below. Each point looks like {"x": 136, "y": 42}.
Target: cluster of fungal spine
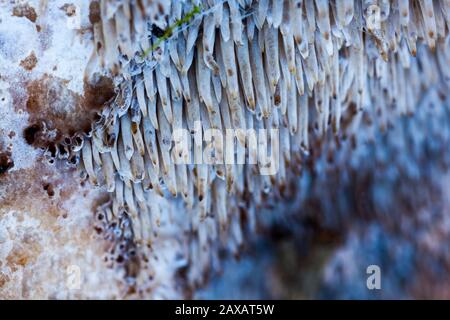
{"x": 120, "y": 27}
{"x": 308, "y": 68}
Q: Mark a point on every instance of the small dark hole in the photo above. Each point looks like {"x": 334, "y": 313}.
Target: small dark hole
{"x": 62, "y": 149}
{"x": 98, "y": 230}
{"x": 49, "y": 188}
{"x": 6, "y": 162}
{"x": 30, "y": 133}
{"x": 52, "y": 150}
{"x": 157, "y": 31}
{"x": 73, "y": 160}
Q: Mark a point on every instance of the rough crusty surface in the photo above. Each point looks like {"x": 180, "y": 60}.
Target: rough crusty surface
{"x": 47, "y": 242}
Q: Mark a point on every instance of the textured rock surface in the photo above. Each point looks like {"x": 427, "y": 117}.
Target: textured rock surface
{"x": 46, "y": 216}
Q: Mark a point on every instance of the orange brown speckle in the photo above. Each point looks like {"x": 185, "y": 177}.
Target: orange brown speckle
{"x": 29, "y": 62}
{"x": 25, "y": 10}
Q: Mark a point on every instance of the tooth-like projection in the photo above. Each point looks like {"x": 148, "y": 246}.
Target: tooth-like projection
{"x": 109, "y": 39}
{"x": 429, "y": 22}
{"x": 150, "y": 88}
{"x": 185, "y": 87}
{"x": 292, "y": 109}
{"x": 246, "y": 73}
{"x": 208, "y": 43}
{"x": 115, "y": 156}
{"x": 202, "y": 189}
{"x": 138, "y": 138}
{"x": 173, "y": 52}
{"x": 225, "y": 30}
{"x": 285, "y": 27}
{"x": 344, "y": 12}
{"x": 214, "y": 116}
{"x": 258, "y": 77}
{"x": 108, "y": 171}
{"x": 175, "y": 82}
{"x": 229, "y": 62}
{"x": 123, "y": 32}
{"x": 271, "y": 54}
{"x": 193, "y": 108}
{"x": 130, "y": 203}
{"x": 127, "y": 136}
{"x": 118, "y": 191}
{"x": 403, "y": 8}
{"x": 87, "y": 161}
{"x": 153, "y": 175}
{"x": 237, "y": 117}
{"x": 250, "y": 24}
{"x": 217, "y": 85}
{"x": 164, "y": 94}
{"x": 311, "y": 20}
{"x": 275, "y": 13}
{"x": 192, "y": 35}
{"x": 236, "y": 22}
{"x": 217, "y": 6}
{"x": 289, "y": 50}
{"x": 261, "y": 13}
{"x": 137, "y": 167}
{"x": 301, "y": 73}
{"x": 440, "y": 22}
{"x": 164, "y": 140}
{"x": 281, "y": 95}
{"x": 125, "y": 164}
{"x": 296, "y": 12}
{"x": 95, "y": 154}
{"x": 203, "y": 75}
{"x": 310, "y": 67}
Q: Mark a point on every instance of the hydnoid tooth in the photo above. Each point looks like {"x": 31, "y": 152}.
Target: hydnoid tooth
{"x": 301, "y": 68}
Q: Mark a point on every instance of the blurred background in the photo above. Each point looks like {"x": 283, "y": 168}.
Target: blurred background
{"x": 386, "y": 203}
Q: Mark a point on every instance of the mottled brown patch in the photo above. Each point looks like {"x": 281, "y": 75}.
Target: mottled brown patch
{"x": 94, "y": 12}
{"x": 49, "y": 188}
{"x": 31, "y": 133}
{"x": 98, "y": 92}
{"x": 25, "y": 188}
{"x": 22, "y": 195}
{"x": 25, "y": 10}
{"x": 277, "y": 100}
{"x": 60, "y": 112}
{"x": 29, "y": 62}
{"x": 69, "y": 8}
{"x": 3, "y": 279}
{"x": 160, "y": 9}
{"x": 18, "y": 257}
{"x": 6, "y": 162}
